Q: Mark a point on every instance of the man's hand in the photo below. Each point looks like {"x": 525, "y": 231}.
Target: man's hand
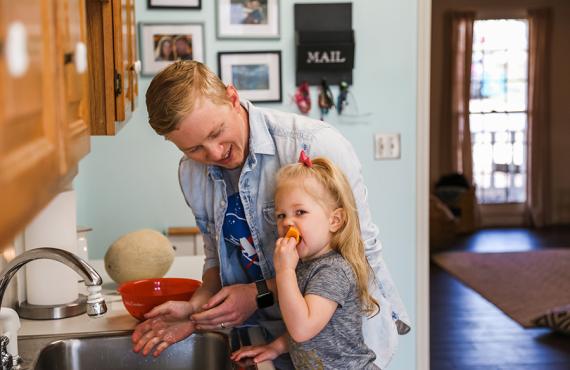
{"x": 165, "y": 325}
{"x": 285, "y": 256}
{"x": 231, "y": 306}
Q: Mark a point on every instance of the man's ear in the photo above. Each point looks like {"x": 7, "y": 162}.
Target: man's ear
{"x": 233, "y": 95}
{"x": 337, "y": 219}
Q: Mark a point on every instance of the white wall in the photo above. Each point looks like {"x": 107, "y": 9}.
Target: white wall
{"x": 129, "y": 181}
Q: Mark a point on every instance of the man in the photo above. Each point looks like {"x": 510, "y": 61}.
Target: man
{"x": 182, "y": 48}
{"x": 232, "y": 151}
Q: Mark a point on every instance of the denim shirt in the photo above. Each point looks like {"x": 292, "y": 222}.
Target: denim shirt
{"x": 275, "y": 140}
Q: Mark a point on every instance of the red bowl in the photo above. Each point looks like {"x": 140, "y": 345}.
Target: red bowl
{"x": 141, "y": 296}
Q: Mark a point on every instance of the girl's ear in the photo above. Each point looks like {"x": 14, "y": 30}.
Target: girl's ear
{"x": 337, "y": 219}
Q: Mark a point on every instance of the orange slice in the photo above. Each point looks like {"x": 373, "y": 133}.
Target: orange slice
{"x": 293, "y": 232}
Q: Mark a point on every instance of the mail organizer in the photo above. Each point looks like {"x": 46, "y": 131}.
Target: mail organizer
{"x": 324, "y": 43}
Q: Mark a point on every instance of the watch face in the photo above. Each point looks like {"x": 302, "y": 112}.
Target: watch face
{"x": 265, "y": 300}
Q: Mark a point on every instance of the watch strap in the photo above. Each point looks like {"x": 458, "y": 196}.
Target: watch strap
{"x": 261, "y": 287}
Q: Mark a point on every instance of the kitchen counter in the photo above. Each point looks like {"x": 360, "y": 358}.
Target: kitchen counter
{"x": 35, "y": 334}
{"x": 116, "y": 318}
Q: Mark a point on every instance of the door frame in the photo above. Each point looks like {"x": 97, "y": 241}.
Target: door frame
{"x": 422, "y": 184}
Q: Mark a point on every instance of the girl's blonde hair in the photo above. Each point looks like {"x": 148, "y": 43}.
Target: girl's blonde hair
{"x": 346, "y": 240}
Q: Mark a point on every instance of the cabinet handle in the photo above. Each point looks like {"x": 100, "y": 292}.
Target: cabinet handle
{"x": 137, "y": 66}
{"x": 17, "y": 58}
{"x": 67, "y": 58}
{"x": 118, "y": 84}
{"x": 80, "y": 57}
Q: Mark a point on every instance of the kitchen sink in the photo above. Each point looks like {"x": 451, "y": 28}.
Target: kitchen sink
{"x": 113, "y": 351}
{"x": 199, "y": 351}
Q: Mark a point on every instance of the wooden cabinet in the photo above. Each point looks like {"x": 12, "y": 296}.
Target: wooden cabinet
{"x": 113, "y": 64}
{"x": 67, "y": 70}
{"x": 44, "y": 127}
{"x": 73, "y": 98}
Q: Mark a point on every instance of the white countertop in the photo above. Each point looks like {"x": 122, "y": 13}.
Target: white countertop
{"x": 116, "y": 318}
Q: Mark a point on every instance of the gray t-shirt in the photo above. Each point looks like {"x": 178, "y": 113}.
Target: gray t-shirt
{"x": 340, "y": 345}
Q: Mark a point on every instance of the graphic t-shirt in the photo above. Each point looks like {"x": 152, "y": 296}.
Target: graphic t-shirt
{"x": 237, "y": 234}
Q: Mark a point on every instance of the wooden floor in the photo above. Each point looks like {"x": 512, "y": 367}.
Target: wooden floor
{"x": 469, "y": 333}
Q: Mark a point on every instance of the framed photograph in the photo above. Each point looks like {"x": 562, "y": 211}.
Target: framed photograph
{"x": 255, "y": 74}
{"x": 248, "y": 19}
{"x": 164, "y": 43}
{"x": 175, "y": 4}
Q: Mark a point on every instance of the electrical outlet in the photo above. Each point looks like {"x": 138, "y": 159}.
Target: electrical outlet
{"x": 386, "y": 146}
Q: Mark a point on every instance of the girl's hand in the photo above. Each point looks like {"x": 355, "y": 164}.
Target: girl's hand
{"x": 256, "y": 353}
{"x": 285, "y": 255}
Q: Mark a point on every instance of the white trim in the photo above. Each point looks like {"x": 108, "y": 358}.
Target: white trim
{"x": 422, "y": 185}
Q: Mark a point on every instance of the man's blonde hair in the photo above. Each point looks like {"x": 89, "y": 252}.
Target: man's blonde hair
{"x": 346, "y": 240}
{"x": 173, "y": 93}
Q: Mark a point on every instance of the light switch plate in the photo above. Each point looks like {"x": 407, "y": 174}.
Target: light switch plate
{"x": 386, "y": 146}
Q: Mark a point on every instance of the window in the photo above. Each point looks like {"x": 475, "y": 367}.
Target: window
{"x": 498, "y": 109}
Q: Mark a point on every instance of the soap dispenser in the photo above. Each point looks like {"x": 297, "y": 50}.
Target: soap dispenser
{"x": 9, "y": 326}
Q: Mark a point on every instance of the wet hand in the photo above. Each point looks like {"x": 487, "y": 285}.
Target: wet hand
{"x": 165, "y": 325}
{"x": 230, "y": 307}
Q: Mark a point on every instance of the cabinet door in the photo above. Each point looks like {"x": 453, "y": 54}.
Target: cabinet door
{"x": 101, "y": 67}
{"x": 113, "y": 85}
{"x": 29, "y": 137}
{"x": 123, "y": 106}
{"x": 134, "y": 64}
{"x": 71, "y": 61}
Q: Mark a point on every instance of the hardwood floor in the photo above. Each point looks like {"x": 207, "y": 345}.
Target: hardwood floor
{"x": 469, "y": 333}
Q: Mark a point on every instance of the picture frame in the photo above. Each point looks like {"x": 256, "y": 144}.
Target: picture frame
{"x": 254, "y": 19}
{"x": 174, "y": 4}
{"x": 186, "y": 43}
{"x": 255, "y": 74}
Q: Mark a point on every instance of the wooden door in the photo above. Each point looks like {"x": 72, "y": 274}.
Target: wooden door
{"x": 134, "y": 64}
{"x": 73, "y": 91}
{"x": 121, "y": 59}
{"x": 29, "y": 137}
{"x": 113, "y": 85}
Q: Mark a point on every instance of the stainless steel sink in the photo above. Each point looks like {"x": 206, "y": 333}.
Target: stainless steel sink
{"x": 113, "y": 350}
{"x": 199, "y": 351}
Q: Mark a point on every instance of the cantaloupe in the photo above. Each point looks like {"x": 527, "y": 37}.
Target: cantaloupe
{"x": 141, "y": 254}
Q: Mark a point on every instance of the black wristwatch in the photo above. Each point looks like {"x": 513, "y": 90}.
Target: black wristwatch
{"x": 264, "y": 295}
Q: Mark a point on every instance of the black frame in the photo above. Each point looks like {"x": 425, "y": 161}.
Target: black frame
{"x": 193, "y": 7}
{"x": 279, "y": 71}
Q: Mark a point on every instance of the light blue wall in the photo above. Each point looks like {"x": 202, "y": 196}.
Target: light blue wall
{"x": 129, "y": 181}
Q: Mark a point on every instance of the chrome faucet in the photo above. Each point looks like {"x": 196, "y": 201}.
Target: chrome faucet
{"x": 95, "y": 303}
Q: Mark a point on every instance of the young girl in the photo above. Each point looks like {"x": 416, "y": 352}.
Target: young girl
{"x": 322, "y": 281}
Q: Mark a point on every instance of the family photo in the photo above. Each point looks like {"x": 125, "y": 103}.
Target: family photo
{"x": 248, "y": 11}
{"x": 164, "y": 43}
{"x": 172, "y": 47}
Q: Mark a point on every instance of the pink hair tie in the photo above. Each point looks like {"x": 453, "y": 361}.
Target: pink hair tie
{"x": 304, "y": 159}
